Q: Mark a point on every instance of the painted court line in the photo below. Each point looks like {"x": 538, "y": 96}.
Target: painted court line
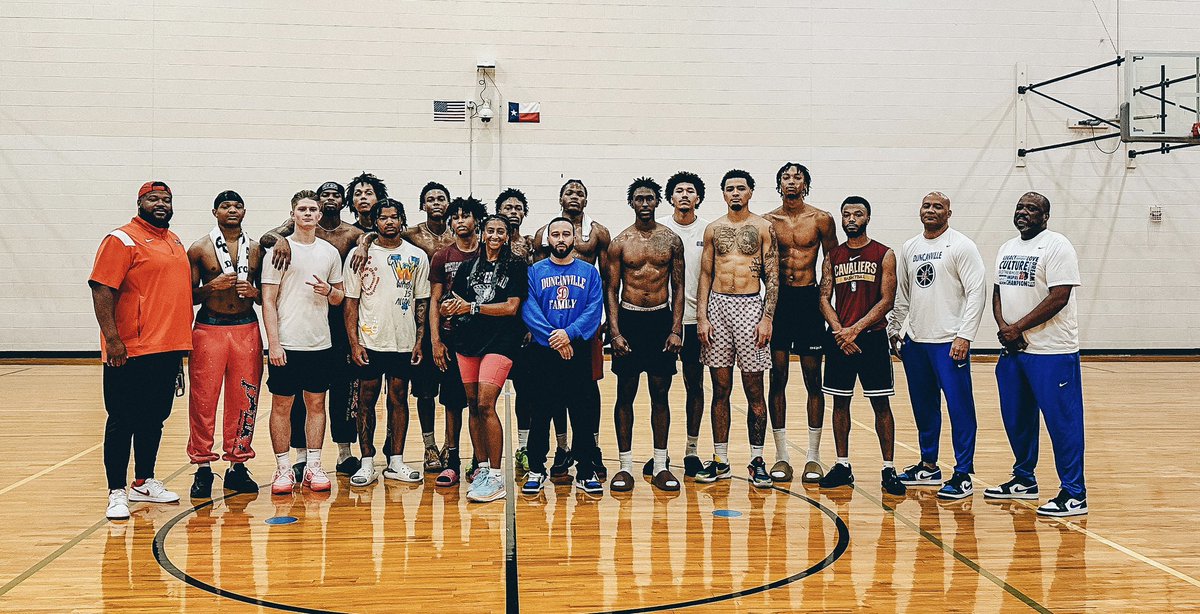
{"x": 57, "y": 465}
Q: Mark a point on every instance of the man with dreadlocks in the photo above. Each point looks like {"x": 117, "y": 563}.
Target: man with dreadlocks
{"x": 645, "y": 298}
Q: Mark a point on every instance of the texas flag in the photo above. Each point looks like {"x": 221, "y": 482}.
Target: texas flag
{"x": 525, "y": 112}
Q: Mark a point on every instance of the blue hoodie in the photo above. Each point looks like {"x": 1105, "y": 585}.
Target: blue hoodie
{"x": 569, "y": 297}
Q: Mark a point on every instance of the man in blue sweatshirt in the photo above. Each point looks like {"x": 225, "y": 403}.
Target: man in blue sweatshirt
{"x": 566, "y": 300}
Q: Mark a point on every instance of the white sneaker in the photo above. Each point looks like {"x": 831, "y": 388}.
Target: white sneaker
{"x": 118, "y": 505}
{"x": 366, "y": 473}
{"x": 152, "y": 491}
{"x": 402, "y": 472}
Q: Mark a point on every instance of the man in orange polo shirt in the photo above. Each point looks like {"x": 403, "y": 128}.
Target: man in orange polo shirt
{"x": 141, "y": 291}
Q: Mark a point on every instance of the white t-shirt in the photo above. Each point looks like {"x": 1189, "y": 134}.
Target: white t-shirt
{"x": 692, "y": 236}
{"x": 1025, "y": 272}
{"x": 304, "y": 314}
{"x": 940, "y": 288}
{"x": 388, "y": 286}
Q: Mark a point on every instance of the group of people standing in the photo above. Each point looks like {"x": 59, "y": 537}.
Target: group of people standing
{"x": 463, "y": 301}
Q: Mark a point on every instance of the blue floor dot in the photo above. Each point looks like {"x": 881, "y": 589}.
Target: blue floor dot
{"x": 281, "y": 520}
{"x": 726, "y": 513}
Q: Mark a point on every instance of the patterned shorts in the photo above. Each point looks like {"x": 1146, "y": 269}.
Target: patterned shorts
{"x": 733, "y": 318}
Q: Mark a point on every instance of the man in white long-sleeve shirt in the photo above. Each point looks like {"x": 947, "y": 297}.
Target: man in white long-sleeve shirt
{"x": 940, "y": 295}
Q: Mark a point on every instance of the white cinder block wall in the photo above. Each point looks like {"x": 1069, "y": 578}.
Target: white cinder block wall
{"x": 885, "y": 99}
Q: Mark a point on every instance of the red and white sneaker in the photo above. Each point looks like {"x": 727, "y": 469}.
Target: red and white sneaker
{"x": 283, "y": 482}
{"x": 316, "y": 480}
{"x": 152, "y": 491}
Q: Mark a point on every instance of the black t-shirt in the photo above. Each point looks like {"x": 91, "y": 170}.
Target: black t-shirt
{"x": 476, "y": 280}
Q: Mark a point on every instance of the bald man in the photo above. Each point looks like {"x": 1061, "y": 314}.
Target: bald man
{"x": 940, "y": 299}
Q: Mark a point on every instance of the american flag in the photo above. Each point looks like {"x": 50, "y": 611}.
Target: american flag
{"x": 449, "y": 111}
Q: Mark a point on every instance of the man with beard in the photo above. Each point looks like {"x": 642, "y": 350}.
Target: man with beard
{"x": 645, "y": 299}
{"x": 591, "y": 241}
{"x": 1034, "y": 306}
{"x": 432, "y": 236}
{"x": 512, "y": 204}
{"x": 686, "y": 191}
{"x": 141, "y": 293}
{"x": 227, "y": 347}
{"x": 343, "y": 384}
{"x": 563, "y": 314}
{"x": 940, "y": 298}
{"x": 860, "y": 275}
{"x": 387, "y": 300}
{"x": 803, "y": 230}
{"x": 464, "y": 216}
{"x": 734, "y": 321}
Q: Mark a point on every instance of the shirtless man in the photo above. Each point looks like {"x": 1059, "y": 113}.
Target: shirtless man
{"x": 591, "y": 246}
{"x": 226, "y": 346}
{"x": 802, "y": 230}
{"x": 645, "y": 299}
{"x": 734, "y": 321}
{"x": 343, "y": 384}
{"x": 431, "y": 236}
{"x": 365, "y": 191}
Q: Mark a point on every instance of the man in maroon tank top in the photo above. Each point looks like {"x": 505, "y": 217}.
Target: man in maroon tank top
{"x": 861, "y": 275}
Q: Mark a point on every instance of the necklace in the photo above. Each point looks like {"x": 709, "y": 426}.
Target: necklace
{"x": 439, "y": 237}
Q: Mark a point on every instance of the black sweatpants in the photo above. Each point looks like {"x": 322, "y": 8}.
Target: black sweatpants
{"x": 564, "y": 385}
{"x": 138, "y": 397}
{"x": 525, "y": 385}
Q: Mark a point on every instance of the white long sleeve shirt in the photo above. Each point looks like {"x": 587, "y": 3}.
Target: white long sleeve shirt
{"x": 940, "y": 289}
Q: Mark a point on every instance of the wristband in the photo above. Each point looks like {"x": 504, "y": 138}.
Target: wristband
{"x": 474, "y": 308}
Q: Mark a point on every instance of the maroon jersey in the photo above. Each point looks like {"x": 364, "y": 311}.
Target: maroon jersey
{"x": 858, "y": 281}
{"x": 442, "y": 268}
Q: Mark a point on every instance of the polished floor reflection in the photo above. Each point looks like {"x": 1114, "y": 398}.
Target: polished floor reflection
{"x": 715, "y": 548}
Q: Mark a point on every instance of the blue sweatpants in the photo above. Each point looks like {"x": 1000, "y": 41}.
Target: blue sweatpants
{"x": 1051, "y": 382}
{"x": 930, "y": 372}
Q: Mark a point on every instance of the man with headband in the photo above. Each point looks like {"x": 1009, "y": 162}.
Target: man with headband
{"x": 226, "y": 346}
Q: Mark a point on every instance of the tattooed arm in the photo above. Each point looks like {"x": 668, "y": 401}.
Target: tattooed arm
{"x": 420, "y": 309}
{"x": 770, "y": 271}
{"x": 611, "y": 257}
{"x": 675, "y": 339}
{"x": 703, "y": 328}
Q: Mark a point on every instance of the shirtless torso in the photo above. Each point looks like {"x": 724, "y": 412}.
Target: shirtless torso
{"x": 216, "y": 292}
{"x": 645, "y": 265}
{"x": 429, "y": 241}
{"x": 742, "y": 255}
{"x": 802, "y": 231}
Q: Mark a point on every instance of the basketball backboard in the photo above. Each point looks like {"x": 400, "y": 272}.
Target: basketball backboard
{"x": 1162, "y": 97}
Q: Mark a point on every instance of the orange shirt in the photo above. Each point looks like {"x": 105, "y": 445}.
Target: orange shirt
{"x": 148, "y": 267}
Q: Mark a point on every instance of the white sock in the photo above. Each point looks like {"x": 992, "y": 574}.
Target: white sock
{"x": 626, "y": 460}
{"x": 205, "y": 465}
{"x": 497, "y": 473}
{"x": 814, "y": 444}
{"x": 300, "y": 454}
{"x": 284, "y": 461}
{"x": 660, "y": 460}
{"x": 692, "y": 446}
{"x": 430, "y": 442}
{"x": 368, "y": 463}
{"x": 721, "y": 452}
{"x": 781, "y": 445}
{"x": 843, "y": 460}
{"x": 486, "y": 466}
{"x": 562, "y": 441}
{"x": 313, "y": 458}
{"x": 756, "y": 452}
{"x": 889, "y": 464}
{"x": 343, "y": 452}
{"x": 522, "y": 438}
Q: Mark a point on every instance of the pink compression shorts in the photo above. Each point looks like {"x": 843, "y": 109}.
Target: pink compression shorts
{"x": 490, "y": 368}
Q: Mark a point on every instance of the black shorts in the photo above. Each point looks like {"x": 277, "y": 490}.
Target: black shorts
{"x": 428, "y": 381}
{"x": 872, "y": 368}
{"x": 392, "y": 364}
{"x": 306, "y": 371}
{"x": 691, "y": 346}
{"x": 798, "y": 326}
{"x": 646, "y": 333}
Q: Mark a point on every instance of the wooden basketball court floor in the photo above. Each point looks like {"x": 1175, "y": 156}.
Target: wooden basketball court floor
{"x": 717, "y": 548}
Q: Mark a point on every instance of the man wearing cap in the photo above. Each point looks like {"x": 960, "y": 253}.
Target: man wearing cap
{"x": 343, "y": 386}
{"x": 141, "y": 292}
{"x": 226, "y": 346}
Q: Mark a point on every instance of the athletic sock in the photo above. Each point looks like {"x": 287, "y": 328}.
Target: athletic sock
{"x": 660, "y": 460}
{"x": 814, "y": 444}
{"x": 205, "y": 465}
{"x": 756, "y": 452}
{"x": 368, "y": 462}
{"x": 843, "y": 460}
{"x": 496, "y": 473}
{"x": 430, "y": 442}
{"x": 313, "y": 458}
{"x": 284, "y": 461}
{"x": 486, "y": 466}
{"x": 301, "y": 453}
{"x": 522, "y": 438}
{"x": 626, "y": 460}
{"x": 561, "y": 438}
{"x": 781, "y": 445}
{"x": 721, "y": 452}
{"x": 692, "y": 448}
{"x": 889, "y": 464}
{"x": 343, "y": 452}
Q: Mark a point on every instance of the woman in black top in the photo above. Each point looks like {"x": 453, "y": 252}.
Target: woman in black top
{"x": 485, "y": 311}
